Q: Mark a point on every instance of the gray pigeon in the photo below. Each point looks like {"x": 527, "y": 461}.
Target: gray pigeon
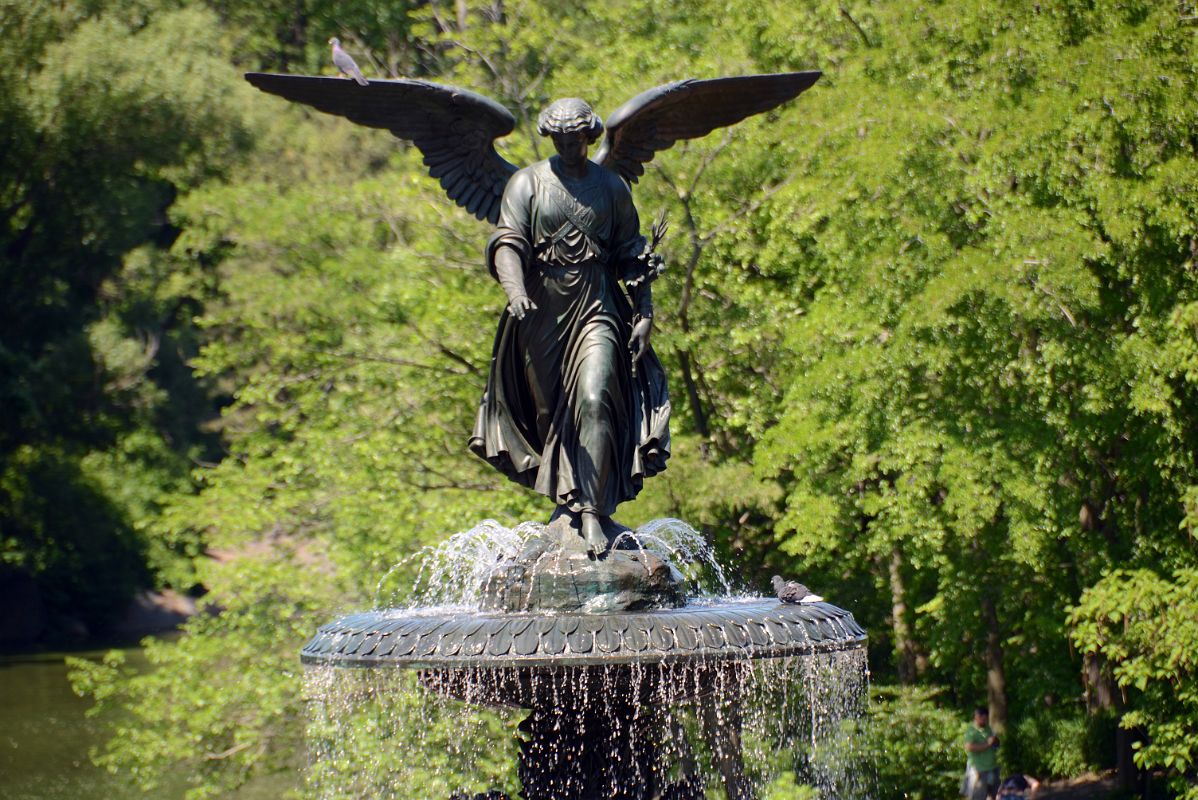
{"x": 794, "y": 592}
{"x": 345, "y": 63}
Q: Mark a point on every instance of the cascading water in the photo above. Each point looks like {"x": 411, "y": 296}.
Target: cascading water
{"x": 452, "y": 573}
{"x": 718, "y": 696}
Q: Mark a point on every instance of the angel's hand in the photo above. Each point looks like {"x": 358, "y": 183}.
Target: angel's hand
{"x": 638, "y": 343}
{"x": 521, "y": 306}
{"x": 657, "y": 264}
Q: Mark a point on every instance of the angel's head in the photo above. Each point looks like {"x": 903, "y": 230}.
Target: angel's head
{"x": 570, "y": 115}
{"x": 572, "y": 125}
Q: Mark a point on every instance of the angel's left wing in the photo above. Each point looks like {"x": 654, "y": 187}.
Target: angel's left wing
{"x": 454, "y": 128}
{"x": 654, "y": 120}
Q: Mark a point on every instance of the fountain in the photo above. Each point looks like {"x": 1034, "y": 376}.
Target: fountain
{"x": 634, "y": 684}
{"x": 604, "y": 654}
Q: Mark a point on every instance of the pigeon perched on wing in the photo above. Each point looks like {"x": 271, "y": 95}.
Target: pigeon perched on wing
{"x": 794, "y": 592}
{"x": 344, "y": 62}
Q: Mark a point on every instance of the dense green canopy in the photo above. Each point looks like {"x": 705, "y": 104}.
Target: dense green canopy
{"x": 931, "y": 333}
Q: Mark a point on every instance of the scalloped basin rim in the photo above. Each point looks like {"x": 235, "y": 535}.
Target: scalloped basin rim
{"x": 724, "y": 631}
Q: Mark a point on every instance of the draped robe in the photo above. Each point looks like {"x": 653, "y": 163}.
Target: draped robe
{"x": 565, "y": 412}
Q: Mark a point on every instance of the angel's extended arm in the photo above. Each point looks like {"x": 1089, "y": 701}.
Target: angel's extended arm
{"x": 631, "y": 264}
{"x": 508, "y": 248}
{"x": 630, "y": 251}
{"x": 509, "y": 271}
{"x": 642, "y": 299}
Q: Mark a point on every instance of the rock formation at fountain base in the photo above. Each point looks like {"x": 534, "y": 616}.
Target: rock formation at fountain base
{"x": 553, "y": 572}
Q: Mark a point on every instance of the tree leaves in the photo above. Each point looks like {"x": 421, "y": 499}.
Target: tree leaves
{"x": 1146, "y": 625}
{"x": 937, "y": 320}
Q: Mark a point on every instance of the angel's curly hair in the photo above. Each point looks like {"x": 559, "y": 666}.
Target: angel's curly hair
{"x": 567, "y": 116}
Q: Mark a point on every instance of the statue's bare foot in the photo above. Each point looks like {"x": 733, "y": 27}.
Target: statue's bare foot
{"x": 592, "y": 534}
{"x": 619, "y": 536}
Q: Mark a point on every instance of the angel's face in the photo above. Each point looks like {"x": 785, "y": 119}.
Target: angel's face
{"x": 572, "y": 147}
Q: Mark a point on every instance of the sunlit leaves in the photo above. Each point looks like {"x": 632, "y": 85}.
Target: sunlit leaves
{"x": 1145, "y": 626}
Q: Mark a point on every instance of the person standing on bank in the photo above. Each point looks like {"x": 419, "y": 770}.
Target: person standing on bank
{"x": 981, "y": 758}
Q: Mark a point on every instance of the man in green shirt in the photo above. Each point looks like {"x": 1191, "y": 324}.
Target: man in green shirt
{"x": 981, "y": 758}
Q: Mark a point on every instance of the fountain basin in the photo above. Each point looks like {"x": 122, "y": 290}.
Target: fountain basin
{"x": 717, "y": 631}
{"x": 631, "y": 691}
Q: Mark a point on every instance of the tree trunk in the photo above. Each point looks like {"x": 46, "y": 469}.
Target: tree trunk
{"x": 996, "y": 676}
{"x": 692, "y": 395}
{"x": 905, "y": 651}
{"x": 1103, "y": 696}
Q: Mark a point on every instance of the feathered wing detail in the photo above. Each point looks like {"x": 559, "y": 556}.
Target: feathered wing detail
{"x": 454, "y": 129}
{"x": 656, "y": 119}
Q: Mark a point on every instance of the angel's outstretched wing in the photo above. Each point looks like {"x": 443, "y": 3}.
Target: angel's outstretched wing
{"x": 454, "y": 128}
{"x": 655, "y": 119}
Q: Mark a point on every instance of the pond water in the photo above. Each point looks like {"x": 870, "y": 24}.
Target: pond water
{"x": 45, "y": 736}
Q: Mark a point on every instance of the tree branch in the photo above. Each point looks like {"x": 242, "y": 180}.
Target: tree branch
{"x": 234, "y": 750}
{"x": 745, "y": 210}
{"x": 844, "y": 12}
{"x": 399, "y": 362}
{"x": 710, "y": 157}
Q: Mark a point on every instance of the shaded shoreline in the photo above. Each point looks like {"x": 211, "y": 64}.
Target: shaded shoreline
{"x": 149, "y": 613}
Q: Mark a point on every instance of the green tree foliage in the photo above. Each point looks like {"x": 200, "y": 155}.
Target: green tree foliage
{"x": 1146, "y": 626}
{"x": 107, "y": 118}
{"x": 930, "y": 334}
{"x": 996, "y": 235}
{"x": 220, "y": 705}
{"x": 912, "y": 743}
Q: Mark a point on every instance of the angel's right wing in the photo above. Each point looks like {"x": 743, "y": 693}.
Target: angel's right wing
{"x": 654, "y": 120}
{"x": 454, "y": 129}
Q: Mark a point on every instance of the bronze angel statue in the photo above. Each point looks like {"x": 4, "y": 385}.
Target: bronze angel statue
{"x": 576, "y": 405}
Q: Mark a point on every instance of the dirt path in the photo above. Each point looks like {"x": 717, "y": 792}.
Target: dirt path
{"x": 1087, "y": 787}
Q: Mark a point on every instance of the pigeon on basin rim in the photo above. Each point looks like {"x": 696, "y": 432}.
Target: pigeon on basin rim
{"x": 794, "y": 592}
{"x": 345, "y": 64}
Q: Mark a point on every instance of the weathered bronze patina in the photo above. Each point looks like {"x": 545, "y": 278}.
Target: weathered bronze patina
{"x": 576, "y": 405}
